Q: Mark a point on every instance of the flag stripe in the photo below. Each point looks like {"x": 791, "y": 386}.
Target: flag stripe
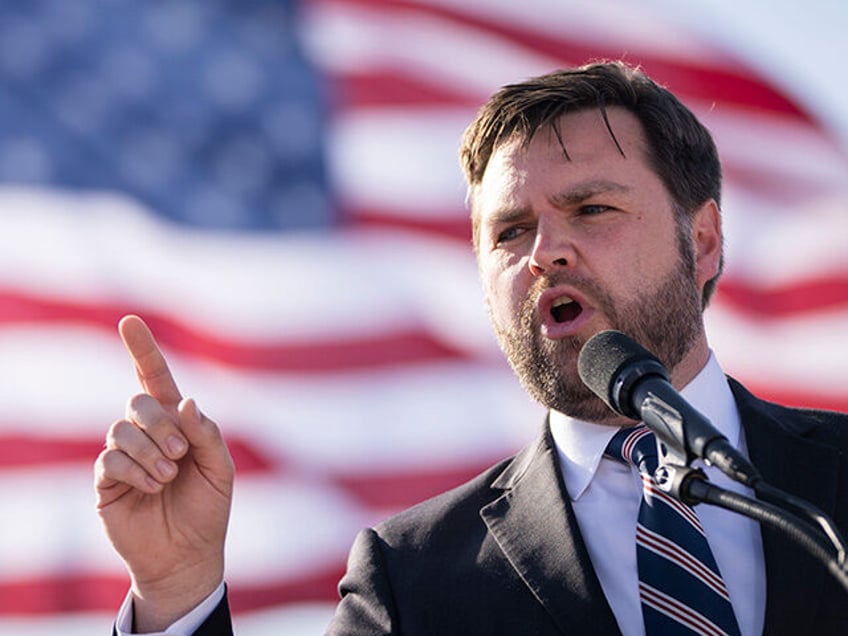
{"x": 800, "y": 297}
{"x": 96, "y": 593}
{"x": 379, "y": 490}
{"x": 692, "y": 80}
{"x": 384, "y": 349}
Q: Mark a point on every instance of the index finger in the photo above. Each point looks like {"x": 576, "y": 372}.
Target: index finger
{"x": 150, "y": 365}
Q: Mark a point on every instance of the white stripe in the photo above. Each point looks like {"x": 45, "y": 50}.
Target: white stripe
{"x": 282, "y": 526}
{"x": 654, "y": 492}
{"x": 102, "y": 247}
{"x": 301, "y": 619}
{"x": 803, "y": 353}
{"x": 344, "y": 39}
{"x": 773, "y": 144}
{"x": 668, "y": 606}
{"x": 433, "y": 415}
{"x": 67, "y": 624}
{"x": 758, "y": 230}
{"x": 662, "y": 545}
{"x": 401, "y": 160}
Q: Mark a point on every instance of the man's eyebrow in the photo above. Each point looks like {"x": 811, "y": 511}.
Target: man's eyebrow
{"x": 583, "y": 191}
{"x": 508, "y": 215}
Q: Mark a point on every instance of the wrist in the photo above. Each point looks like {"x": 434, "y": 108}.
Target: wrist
{"x": 158, "y": 604}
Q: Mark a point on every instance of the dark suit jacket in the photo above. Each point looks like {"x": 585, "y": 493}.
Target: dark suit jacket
{"x": 502, "y": 554}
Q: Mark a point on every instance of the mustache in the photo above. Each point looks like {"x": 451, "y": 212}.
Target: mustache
{"x": 585, "y": 285}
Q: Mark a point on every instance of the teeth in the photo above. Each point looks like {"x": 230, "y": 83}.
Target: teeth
{"x": 562, "y": 301}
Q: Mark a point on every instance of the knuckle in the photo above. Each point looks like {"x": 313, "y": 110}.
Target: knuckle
{"x": 111, "y": 464}
{"x": 115, "y": 466}
{"x": 127, "y": 439}
{"x": 139, "y": 403}
{"x": 119, "y": 434}
{"x": 149, "y": 415}
{"x": 148, "y": 454}
{"x": 100, "y": 465}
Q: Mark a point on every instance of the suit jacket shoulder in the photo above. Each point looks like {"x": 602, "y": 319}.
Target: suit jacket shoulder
{"x": 829, "y": 428}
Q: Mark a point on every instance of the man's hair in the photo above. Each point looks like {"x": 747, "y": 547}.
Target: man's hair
{"x": 680, "y": 149}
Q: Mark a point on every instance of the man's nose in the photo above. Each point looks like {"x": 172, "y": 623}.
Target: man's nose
{"x": 552, "y": 249}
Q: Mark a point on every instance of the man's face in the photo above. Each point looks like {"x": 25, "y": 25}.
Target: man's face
{"x": 570, "y": 247}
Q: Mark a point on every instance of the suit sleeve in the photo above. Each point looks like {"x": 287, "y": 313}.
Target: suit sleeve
{"x": 219, "y": 622}
{"x": 366, "y": 605}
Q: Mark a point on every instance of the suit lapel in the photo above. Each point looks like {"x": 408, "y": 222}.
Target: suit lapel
{"x": 534, "y": 525}
{"x": 793, "y": 579}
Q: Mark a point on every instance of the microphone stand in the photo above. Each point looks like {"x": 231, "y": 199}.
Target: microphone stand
{"x": 684, "y": 436}
{"x": 691, "y": 486}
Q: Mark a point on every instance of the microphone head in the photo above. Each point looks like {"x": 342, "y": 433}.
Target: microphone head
{"x": 610, "y": 364}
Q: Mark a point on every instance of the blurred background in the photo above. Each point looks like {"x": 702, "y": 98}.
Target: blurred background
{"x": 273, "y": 186}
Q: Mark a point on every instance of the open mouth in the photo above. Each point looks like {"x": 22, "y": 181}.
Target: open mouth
{"x": 565, "y": 309}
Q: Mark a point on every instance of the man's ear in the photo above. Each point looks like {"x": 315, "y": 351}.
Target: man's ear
{"x": 707, "y": 242}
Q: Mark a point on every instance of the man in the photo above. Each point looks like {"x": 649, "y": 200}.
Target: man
{"x": 595, "y": 205}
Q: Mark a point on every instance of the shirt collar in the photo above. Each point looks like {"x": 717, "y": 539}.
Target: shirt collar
{"x": 580, "y": 445}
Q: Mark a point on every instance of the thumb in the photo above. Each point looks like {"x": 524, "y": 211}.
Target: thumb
{"x": 208, "y": 448}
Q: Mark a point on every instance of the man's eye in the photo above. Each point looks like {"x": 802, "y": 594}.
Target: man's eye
{"x": 593, "y": 209}
{"x": 509, "y": 234}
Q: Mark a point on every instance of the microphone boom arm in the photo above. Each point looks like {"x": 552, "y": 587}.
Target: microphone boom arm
{"x": 794, "y": 527}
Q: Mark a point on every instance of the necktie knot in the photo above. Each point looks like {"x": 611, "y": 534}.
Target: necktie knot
{"x": 635, "y": 445}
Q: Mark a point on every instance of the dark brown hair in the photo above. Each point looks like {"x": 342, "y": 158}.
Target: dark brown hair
{"x": 680, "y": 149}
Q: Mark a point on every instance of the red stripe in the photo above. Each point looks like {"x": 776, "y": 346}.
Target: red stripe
{"x": 381, "y": 88}
{"x": 390, "y": 489}
{"x": 680, "y": 508}
{"x": 630, "y": 443}
{"x": 400, "y": 489}
{"x": 21, "y": 450}
{"x": 452, "y": 226}
{"x": 792, "y": 396}
{"x": 779, "y": 187}
{"x": 737, "y": 85}
{"x": 676, "y": 554}
{"x": 679, "y": 612}
{"x": 319, "y": 585}
{"x": 387, "y": 87}
{"x": 402, "y": 347}
{"x": 93, "y": 593}
{"x": 62, "y": 593}
{"x": 806, "y": 296}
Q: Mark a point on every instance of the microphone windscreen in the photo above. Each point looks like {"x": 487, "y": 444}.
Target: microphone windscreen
{"x": 602, "y": 361}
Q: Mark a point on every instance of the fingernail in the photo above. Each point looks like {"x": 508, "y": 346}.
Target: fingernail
{"x": 176, "y": 445}
{"x": 165, "y": 468}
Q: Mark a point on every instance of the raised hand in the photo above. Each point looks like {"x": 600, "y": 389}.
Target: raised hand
{"x": 164, "y": 485}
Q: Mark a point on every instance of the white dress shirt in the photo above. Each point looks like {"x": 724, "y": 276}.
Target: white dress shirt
{"x": 605, "y": 495}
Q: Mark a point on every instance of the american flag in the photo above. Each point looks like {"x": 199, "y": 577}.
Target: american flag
{"x": 274, "y": 187}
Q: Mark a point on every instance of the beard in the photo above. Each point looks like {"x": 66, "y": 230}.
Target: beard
{"x": 666, "y": 320}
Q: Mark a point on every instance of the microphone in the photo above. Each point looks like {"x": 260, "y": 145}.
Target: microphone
{"x": 634, "y": 383}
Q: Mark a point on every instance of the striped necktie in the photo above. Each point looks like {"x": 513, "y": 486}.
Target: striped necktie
{"x": 680, "y": 587}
